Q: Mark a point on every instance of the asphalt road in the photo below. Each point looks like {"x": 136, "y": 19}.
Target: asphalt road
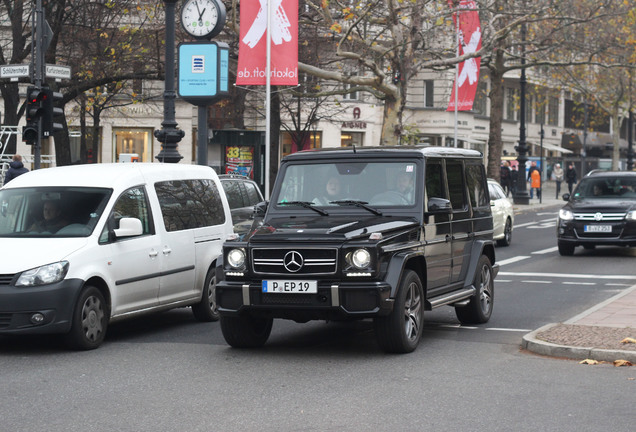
{"x": 170, "y": 373}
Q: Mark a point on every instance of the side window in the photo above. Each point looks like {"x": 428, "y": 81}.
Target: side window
{"x": 252, "y": 194}
{"x": 475, "y": 180}
{"x": 434, "y": 181}
{"x": 132, "y": 203}
{"x": 187, "y": 204}
{"x": 233, "y": 194}
{"x": 455, "y": 176}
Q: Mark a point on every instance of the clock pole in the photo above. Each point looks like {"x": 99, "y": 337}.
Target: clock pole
{"x": 169, "y": 136}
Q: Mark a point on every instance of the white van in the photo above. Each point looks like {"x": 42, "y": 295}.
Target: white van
{"x": 85, "y": 245}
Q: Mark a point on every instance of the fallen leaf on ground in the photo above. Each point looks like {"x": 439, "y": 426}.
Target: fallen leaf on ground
{"x": 589, "y": 362}
{"x": 622, "y": 363}
{"x": 628, "y": 340}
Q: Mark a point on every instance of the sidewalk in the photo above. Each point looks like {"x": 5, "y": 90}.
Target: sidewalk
{"x": 597, "y": 333}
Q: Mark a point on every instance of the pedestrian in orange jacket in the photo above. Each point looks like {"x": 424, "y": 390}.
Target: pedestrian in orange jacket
{"x": 536, "y": 183}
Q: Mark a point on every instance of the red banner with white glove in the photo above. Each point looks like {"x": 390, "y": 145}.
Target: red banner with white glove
{"x": 469, "y": 42}
{"x": 253, "y": 43}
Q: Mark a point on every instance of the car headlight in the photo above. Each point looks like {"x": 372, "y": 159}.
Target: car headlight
{"x": 359, "y": 258}
{"x": 631, "y": 215}
{"x": 236, "y": 258}
{"x": 566, "y": 215}
{"x": 47, "y": 274}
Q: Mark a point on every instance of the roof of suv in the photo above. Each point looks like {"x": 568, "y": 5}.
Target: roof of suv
{"x": 611, "y": 174}
{"x": 426, "y": 151}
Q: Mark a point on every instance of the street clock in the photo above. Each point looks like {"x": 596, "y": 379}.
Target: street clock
{"x": 203, "y": 19}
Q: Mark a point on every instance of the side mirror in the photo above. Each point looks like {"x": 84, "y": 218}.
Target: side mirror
{"x": 260, "y": 209}
{"x": 439, "y": 205}
{"x": 566, "y": 197}
{"x": 492, "y": 203}
{"x": 129, "y": 227}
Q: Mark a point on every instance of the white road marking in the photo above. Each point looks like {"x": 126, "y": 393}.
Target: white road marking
{"x": 508, "y": 329}
{"x": 534, "y": 223}
{"x": 547, "y": 214}
{"x": 537, "y": 281}
{"x": 545, "y": 251}
{"x": 572, "y": 276}
{"x": 512, "y": 260}
{"x": 461, "y": 327}
{"x": 578, "y": 283}
{"x": 616, "y": 284}
{"x": 504, "y": 280}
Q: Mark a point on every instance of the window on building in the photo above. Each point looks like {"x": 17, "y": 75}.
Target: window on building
{"x": 529, "y": 106}
{"x": 312, "y": 140}
{"x": 351, "y": 95}
{"x": 553, "y": 111}
{"x": 511, "y": 103}
{"x": 91, "y": 152}
{"x": 480, "y": 106}
{"x": 429, "y": 93}
{"x": 351, "y": 138}
{"x": 539, "y": 109}
{"x": 137, "y": 141}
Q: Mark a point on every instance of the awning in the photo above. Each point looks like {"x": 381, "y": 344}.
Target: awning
{"x": 552, "y": 147}
{"x": 471, "y": 140}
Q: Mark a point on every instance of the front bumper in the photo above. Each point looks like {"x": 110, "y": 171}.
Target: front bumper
{"x": 19, "y": 307}
{"x": 573, "y": 233}
{"x": 334, "y": 300}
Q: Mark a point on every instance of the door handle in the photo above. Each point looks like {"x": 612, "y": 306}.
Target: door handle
{"x": 153, "y": 253}
{"x": 167, "y": 251}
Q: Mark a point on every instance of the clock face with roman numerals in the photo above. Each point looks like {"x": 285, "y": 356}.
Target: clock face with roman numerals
{"x": 203, "y": 19}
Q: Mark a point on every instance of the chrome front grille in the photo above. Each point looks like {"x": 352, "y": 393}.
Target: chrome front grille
{"x": 599, "y": 217}
{"x": 296, "y": 261}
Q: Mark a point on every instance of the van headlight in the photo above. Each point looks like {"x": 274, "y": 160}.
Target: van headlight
{"x": 47, "y": 274}
{"x": 566, "y": 215}
{"x": 631, "y": 215}
{"x": 236, "y": 258}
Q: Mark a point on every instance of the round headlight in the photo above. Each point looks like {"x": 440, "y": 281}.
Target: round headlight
{"x": 565, "y": 215}
{"x": 236, "y": 258}
{"x": 361, "y": 258}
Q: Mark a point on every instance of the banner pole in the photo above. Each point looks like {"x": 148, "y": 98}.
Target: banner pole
{"x": 268, "y": 94}
{"x": 456, "y": 71}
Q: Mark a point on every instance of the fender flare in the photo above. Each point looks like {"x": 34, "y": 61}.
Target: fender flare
{"x": 396, "y": 268}
{"x": 480, "y": 247}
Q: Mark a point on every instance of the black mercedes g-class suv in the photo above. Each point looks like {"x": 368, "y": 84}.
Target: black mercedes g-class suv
{"x": 354, "y": 233}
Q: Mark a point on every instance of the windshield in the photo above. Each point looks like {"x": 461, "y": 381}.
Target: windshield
{"x": 606, "y": 187}
{"x": 343, "y": 184}
{"x": 51, "y": 212}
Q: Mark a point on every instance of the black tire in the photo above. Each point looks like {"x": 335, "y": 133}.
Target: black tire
{"x": 401, "y": 330}
{"x": 507, "y": 234}
{"x": 566, "y": 249}
{"x": 207, "y": 310}
{"x": 479, "y": 309}
{"x": 90, "y": 320}
{"x": 246, "y": 331}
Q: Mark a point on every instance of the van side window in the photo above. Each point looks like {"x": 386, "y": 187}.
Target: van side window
{"x": 133, "y": 203}
{"x": 188, "y": 204}
{"x": 434, "y": 181}
{"x": 454, "y": 174}
{"x": 233, "y": 193}
{"x": 475, "y": 179}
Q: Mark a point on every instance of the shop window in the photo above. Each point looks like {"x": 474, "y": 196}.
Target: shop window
{"x": 313, "y": 140}
{"x": 348, "y": 139}
{"x": 138, "y": 141}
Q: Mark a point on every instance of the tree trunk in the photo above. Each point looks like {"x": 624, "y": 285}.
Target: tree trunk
{"x": 616, "y": 138}
{"x": 496, "y": 95}
{"x": 391, "y": 123}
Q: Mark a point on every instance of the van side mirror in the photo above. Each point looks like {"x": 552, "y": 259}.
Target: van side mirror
{"x": 439, "y": 205}
{"x": 566, "y": 197}
{"x": 260, "y": 209}
{"x": 129, "y": 227}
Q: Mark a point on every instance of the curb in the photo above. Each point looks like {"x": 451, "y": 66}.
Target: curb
{"x": 537, "y": 346}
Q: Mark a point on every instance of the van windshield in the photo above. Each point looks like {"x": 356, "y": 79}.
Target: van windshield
{"x": 51, "y": 211}
{"x": 375, "y": 183}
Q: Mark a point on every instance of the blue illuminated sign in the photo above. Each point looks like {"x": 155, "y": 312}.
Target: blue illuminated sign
{"x": 203, "y": 72}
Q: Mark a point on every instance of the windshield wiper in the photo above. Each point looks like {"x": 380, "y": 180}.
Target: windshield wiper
{"x": 306, "y": 204}
{"x": 361, "y": 204}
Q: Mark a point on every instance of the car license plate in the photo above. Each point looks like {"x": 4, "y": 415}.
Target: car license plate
{"x": 290, "y": 286}
{"x": 598, "y": 228}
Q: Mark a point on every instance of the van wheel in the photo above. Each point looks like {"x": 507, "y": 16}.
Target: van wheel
{"x": 207, "y": 310}
{"x": 90, "y": 320}
{"x": 401, "y": 330}
{"x": 246, "y": 331}
{"x": 507, "y": 239}
{"x": 479, "y": 308}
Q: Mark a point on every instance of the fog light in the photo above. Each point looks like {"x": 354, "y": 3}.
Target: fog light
{"x": 37, "y": 318}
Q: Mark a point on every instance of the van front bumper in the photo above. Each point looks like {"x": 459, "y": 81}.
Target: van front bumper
{"x": 42, "y": 309}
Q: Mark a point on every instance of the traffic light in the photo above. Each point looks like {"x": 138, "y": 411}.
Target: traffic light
{"x": 49, "y": 126}
{"x": 35, "y": 109}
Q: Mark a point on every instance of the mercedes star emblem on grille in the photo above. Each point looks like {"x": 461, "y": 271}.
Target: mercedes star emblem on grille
{"x": 293, "y": 261}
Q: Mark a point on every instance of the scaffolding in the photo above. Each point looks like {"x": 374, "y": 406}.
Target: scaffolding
{"x": 6, "y": 132}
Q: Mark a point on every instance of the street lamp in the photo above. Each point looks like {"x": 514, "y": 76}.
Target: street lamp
{"x": 169, "y": 136}
{"x": 520, "y": 194}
